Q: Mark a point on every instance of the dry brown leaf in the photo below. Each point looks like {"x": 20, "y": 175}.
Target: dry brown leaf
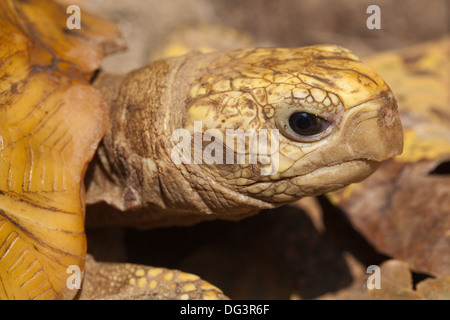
{"x": 435, "y": 289}
{"x": 397, "y": 284}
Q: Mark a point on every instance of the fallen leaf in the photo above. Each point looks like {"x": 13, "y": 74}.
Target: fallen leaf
{"x": 397, "y": 284}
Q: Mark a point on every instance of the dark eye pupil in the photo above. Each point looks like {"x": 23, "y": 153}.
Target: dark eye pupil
{"x": 305, "y": 124}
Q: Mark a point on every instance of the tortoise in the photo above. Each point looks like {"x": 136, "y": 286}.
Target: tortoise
{"x": 330, "y": 119}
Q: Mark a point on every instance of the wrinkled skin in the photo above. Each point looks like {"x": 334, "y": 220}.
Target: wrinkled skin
{"x": 242, "y": 89}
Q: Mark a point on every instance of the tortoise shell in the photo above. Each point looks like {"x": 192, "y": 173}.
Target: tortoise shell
{"x": 51, "y": 120}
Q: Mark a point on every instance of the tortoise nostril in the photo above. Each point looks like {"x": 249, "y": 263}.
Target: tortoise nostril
{"x": 387, "y": 116}
{"x": 442, "y": 169}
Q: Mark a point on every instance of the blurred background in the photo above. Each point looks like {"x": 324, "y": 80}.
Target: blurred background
{"x": 283, "y": 23}
{"x": 308, "y": 250}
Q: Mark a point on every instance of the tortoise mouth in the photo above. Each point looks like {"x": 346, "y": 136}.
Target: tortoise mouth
{"x": 337, "y": 175}
{"x": 319, "y": 181}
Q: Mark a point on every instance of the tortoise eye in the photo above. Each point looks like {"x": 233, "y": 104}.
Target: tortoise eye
{"x": 302, "y": 126}
{"x": 307, "y": 124}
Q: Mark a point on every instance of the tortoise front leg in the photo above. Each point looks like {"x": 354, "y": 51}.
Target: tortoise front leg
{"x": 126, "y": 281}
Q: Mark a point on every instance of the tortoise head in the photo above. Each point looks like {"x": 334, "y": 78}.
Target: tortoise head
{"x": 228, "y": 133}
{"x": 321, "y": 118}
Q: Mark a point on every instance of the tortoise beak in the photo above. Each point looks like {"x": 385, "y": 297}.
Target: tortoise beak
{"x": 376, "y": 132}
